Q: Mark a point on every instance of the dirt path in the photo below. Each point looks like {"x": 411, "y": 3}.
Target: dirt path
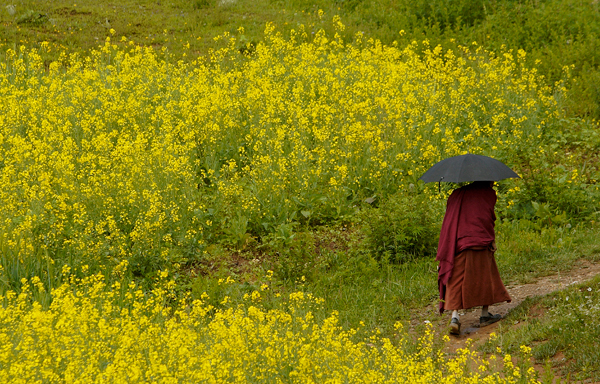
{"x": 582, "y": 271}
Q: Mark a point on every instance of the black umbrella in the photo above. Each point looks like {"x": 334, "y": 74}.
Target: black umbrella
{"x": 468, "y": 168}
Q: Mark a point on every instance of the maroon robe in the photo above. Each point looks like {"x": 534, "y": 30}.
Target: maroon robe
{"x": 468, "y": 223}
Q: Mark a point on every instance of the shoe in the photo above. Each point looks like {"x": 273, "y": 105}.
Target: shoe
{"x": 455, "y": 326}
{"x": 489, "y": 319}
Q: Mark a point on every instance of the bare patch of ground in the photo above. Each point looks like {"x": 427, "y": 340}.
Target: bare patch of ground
{"x": 582, "y": 271}
{"x": 470, "y": 332}
{"x": 473, "y": 336}
{"x": 469, "y": 319}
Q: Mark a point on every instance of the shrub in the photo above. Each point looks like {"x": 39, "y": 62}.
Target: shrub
{"x": 293, "y": 253}
{"x": 404, "y": 226}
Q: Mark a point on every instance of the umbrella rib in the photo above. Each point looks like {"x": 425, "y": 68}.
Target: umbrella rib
{"x": 460, "y": 168}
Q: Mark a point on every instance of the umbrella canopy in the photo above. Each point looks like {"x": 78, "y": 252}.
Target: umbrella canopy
{"x": 468, "y": 167}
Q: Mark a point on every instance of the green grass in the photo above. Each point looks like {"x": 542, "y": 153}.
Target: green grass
{"x": 525, "y": 254}
{"x": 81, "y": 25}
{"x": 375, "y": 293}
{"x": 362, "y": 289}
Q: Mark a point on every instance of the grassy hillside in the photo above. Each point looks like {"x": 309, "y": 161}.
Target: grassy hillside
{"x": 560, "y": 37}
{"x": 154, "y": 174}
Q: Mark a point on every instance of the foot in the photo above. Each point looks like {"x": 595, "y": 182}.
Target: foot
{"x": 455, "y": 326}
{"x": 489, "y": 319}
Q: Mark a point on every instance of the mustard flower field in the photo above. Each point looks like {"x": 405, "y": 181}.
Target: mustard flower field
{"x": 126, "y": 162}
{"x": 125, "y": 156}
{"x": 86, "y": 337}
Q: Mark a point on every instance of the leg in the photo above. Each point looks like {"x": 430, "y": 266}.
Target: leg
{"x": 487, "y": 318}
{"x": 455, "y": 323}
{"x": 484, "y": 311}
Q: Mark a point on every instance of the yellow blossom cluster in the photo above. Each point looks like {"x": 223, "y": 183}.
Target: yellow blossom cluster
{"x": 126, "y": 154}
{"x": 92, "y": 333}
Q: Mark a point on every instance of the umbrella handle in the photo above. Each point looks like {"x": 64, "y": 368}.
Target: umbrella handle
{"x": 440, "y": 185}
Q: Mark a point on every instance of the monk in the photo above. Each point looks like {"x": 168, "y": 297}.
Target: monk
{"x": 467, "y": 273}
